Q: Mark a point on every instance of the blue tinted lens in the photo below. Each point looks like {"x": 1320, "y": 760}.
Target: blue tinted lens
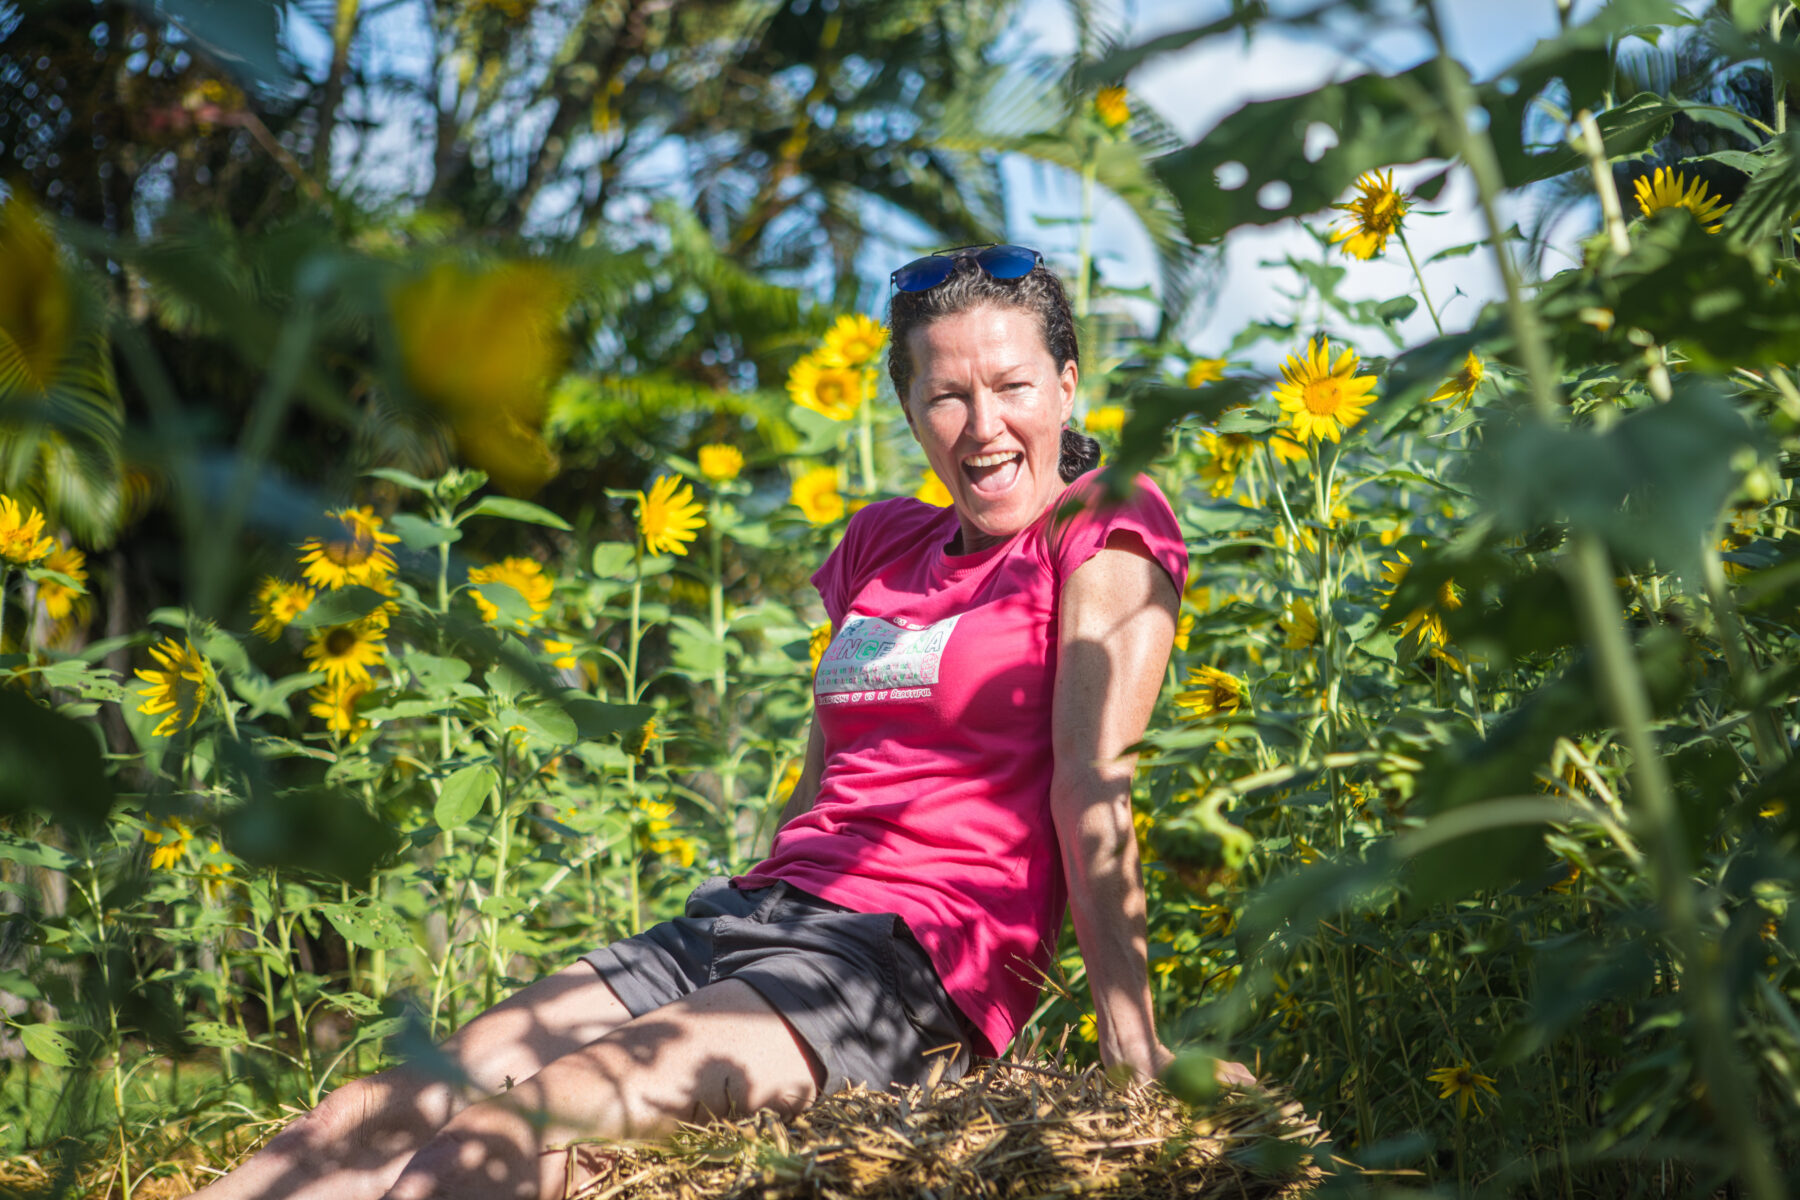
{"x": 923, "y": 274}
{"x": 1008, "y": 262}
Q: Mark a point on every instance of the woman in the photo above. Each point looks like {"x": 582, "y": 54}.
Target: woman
{"x": 964, "y": 779}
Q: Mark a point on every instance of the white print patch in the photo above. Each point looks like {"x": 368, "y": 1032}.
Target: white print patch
{"x": 871, "y": 654}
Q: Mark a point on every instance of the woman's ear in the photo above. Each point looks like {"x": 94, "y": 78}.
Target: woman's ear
{"x": 1069, "y": 381}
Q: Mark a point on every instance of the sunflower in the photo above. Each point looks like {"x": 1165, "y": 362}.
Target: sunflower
{"x": 171, "y": 842}
{"x": 1184, "y": 631}
{"x": 638, "y": 742}
{"x": 1286, "y": 449}
{"x": 1203, "y": 371}
{"x": 1226, "y": 454}
{"x": 1108, "y": 418}
{"x": 1429, "y": 618}
{"x": 178, "y": 686}
{"x": 1210, "y": 691}
{"x": 1111, "y": 107}
{"x": 1374, "y": 215}
{"x": 276, "y": 605}
{"x": 932, "y": 491}
{"x": 816, "y": 494}
{"x": 721, "y": 463}
{"x": 789, "y": 780}
{"x": 359, "y": 553}
{"x": 669, "y": 517}
{"x": 485, "y": 347}
{"x": 828, "y": 389}
{"x": 817, "y": 644}
{"x": 213, "y": 872}
{"x": 853, "y": 341}
{"x": 1465, "y": 1083}
{"x": 1323, "y": 400}
{"x": 1300, "y": 623}
{"x": 525, "y": 576}
{"x": 335, "y": 703}
{"x": 1460, "y": 387}
{"x": 344, "y": 653}
{"x": 58, "y": 597}
{"x": 22, "y": 539}
{"x": 1671, "y": 189}
{"x": 37, "y": 305}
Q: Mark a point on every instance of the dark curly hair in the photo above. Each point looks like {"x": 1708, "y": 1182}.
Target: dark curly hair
{"x": 969, "y": 287}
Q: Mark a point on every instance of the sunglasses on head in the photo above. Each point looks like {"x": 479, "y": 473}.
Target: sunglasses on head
{"x": 1000, "y": 262}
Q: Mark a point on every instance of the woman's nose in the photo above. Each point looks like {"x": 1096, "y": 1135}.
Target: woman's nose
{"x": 984, "y": 417}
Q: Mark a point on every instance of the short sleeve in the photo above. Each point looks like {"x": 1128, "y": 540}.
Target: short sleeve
{"x": 1145, "y": 512}
{"x": 839, "y": 577}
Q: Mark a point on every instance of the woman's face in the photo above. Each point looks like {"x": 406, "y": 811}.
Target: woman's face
{"x": 988, "y": 405}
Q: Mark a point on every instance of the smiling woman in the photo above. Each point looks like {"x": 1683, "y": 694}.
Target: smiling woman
{"x": 967, "y": 780}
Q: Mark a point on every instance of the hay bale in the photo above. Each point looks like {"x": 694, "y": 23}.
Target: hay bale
{"x": 1005, "y": 1130}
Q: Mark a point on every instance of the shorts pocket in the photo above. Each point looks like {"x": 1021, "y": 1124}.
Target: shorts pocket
{"x": 715, "y": 897}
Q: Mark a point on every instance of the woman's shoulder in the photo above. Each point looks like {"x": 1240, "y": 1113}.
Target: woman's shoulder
{"x": 1103, "y": 489}
{"x": 896, "y": 516}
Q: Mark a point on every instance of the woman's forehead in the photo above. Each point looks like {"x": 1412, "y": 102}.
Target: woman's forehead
{"x": 997, "y": 337}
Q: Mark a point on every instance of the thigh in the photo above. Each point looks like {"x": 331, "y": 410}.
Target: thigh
{"x": 538, "y": 1024}
{"x": 722, "y": 1050}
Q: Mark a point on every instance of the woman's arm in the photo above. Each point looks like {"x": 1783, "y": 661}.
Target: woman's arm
{"x": 811, "y": 768}
{"x": 1117, "y": 626}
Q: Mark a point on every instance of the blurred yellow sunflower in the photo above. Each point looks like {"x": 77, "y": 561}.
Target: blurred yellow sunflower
{"x": 1203, "y": 371}
{"x": 344, "y": 653}
{"x": 816, "y": 494}
{"x": 1428, "y": 619}
{"x": 721, "y": 463}
{"x": 1375, "y": 214}
{"x": 1226, "y": 454}
{"x": 1460, "y": 387}
{"x": 829, "y": 390}
{"x": 335, "y": 703}
{"x": 178, "y": 685}
{"x": 1209, "y": 691}
{"x": 817, "y": 643}
{"x": 669, "y": 517}
{"x": 59, "y": 598}
{"x": 525, "y": 576}
{"x": 484, "y": 346}
{"x": 932, "y": 491}
{"x": 1112, "y": 107}
{"x": 1322, "y": 396}
{"x": 1300, "y": 623}
{"x": 1184, "y": 631}
{"x": 22, "y": 539}
{"x": 37, "y": 305}
{"x": 1285, "y": 448}
{"x": 562, "y": 654}
{"x": 1668, "y": 188}
{"x": 357, "y": 554}
{"x": 276, "y": 605}
{"x": 213, "y": 872}
{"x": 1107, "y": 418}
{"x": 853, "y": 341}
{"x": 171, "y": 841}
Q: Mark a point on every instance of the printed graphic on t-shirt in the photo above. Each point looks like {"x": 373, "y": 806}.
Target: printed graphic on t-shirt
{"x": 870, "y": 654}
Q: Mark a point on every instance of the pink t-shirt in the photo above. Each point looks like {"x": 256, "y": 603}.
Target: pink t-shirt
{"x": 934, "y": 699}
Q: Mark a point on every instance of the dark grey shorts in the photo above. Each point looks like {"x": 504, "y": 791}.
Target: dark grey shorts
{"x": 856, "y": 987}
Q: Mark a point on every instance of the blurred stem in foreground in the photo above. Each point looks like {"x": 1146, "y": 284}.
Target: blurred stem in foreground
{"x": 1623, "y": 694}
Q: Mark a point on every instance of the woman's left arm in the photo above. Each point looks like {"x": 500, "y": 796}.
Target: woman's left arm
{"x": 1117, "y": 621}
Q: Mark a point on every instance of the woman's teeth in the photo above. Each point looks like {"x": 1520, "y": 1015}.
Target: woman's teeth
{"x": 989, "y": 460}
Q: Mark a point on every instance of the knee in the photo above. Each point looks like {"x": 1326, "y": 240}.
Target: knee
{"x": 398, "y": 1098}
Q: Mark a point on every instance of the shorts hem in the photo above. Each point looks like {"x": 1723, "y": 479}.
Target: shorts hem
{"x": 618, "y": 976}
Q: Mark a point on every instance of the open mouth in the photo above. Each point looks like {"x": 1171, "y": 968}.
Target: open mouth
{"x": 992, "y": 473}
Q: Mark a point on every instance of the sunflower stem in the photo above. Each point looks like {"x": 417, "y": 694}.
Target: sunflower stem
{"x": 716, "y": 600}
{"x": 5, "y": 580}
{"x": 637, "y": 602}
{"x": 1419, "y": 275}
{"x": 865, "y": 443}
{"x": 1090, "y": 171}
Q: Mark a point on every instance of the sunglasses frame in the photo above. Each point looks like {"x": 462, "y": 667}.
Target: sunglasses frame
{"x": 983, "y": 254}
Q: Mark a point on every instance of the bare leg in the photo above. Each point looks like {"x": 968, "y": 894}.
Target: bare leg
{"x": 718, "y": 1051}
{"x": 354, "y": 1145}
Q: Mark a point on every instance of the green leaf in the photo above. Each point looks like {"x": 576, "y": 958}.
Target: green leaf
{"x": 513, "y": 510}
{"x": 404, "y": 478}
{"x": 340, "y": 607}
{"x": 596, "y": 719}
{"x": 216, "y": 1034}
{"x": 463, "y": 795}
{"x": 48, "y": 1045}
{"x": 612, "y": 560}
{"x": 437, "y": 675}
{"x": 547, "y": 721}
{"x": 1372, "y": 116}
{"x": 514, "y": 608}
{"x": 416, "y": 533}
{"x": 50, "y": 764}
{"x": 371, "y": 926}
